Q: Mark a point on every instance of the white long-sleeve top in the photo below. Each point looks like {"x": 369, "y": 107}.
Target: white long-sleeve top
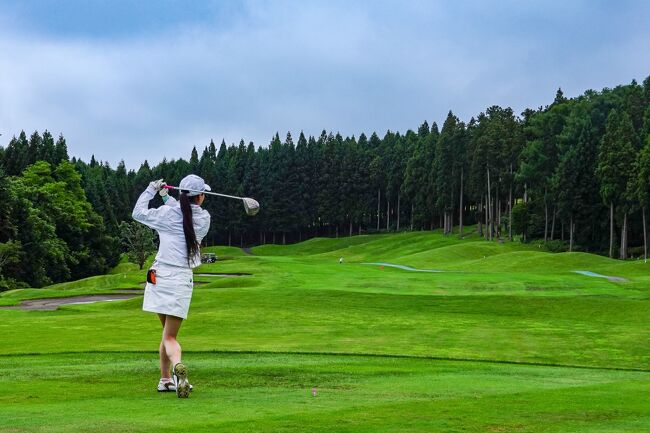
{"x": 167, "y": 220}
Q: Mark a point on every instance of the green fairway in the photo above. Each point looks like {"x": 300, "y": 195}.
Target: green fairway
{"x": 509, "y": 338}
{"x": 263, "y": 392}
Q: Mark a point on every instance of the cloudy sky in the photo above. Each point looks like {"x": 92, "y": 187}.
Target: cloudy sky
{"x": 147, "y": 79}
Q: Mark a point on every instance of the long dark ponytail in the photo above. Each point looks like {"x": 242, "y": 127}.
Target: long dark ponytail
{"x": 188, "y": 228}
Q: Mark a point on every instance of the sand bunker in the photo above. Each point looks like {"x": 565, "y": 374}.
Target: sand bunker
{"x": 51, "y": 304}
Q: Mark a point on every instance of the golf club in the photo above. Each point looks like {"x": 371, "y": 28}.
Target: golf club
{"x": 251, "y": 205}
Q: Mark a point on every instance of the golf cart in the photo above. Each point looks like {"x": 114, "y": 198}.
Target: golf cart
{"x": 208, "y": 258}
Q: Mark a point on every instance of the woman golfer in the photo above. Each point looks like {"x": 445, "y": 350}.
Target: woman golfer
{"x": 181, "y": 225}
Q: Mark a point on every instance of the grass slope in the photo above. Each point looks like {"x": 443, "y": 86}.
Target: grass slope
{"x": 505, "y": 326}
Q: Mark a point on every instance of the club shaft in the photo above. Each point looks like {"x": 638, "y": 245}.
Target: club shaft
{"x": 204, "y": 192}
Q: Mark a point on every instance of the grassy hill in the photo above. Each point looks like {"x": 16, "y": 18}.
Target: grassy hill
{"x": 387, "y": 349}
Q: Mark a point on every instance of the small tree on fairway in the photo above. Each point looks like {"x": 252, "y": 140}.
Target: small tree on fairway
{"x": 521, "y": 220}
{"x": 138, "y": 240}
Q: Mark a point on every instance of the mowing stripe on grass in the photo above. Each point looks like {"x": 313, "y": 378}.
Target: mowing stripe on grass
{"x": 341, "y": 354}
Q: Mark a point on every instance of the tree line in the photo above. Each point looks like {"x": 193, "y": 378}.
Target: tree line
{"x": 574, "y": 174}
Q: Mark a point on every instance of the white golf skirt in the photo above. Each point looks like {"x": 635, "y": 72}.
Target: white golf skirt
{"x": 172, "y": 292}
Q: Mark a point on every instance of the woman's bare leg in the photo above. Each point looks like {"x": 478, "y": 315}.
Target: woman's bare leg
{"x": 170, "y": 353}
{"x": 169, "y": 344}
{"x": 165, "y": 363}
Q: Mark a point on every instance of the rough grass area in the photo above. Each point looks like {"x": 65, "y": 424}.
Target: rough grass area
{"x": 507, "y": 339}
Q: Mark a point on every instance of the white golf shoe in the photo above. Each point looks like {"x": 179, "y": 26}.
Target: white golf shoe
{"x": 168, "y": 386}
{"x": 179, "y": 374}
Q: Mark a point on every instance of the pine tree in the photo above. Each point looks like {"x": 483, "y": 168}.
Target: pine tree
{"x": 615, "y": 160}
{"x": 364, "y": 189}
{"x": 573, "y": 179}
{"x": 8, "y": 227}
{"x": 47, "y": 152}
{"x": 60, "y": 150}
{"x": 16, "y": 156}
{"x": 250, "y": 186}
{"x": 539, "y": 159}
{"x": 34, "y": 148}
{"x": 635, "y": 106}
{"x": 303, "y": 191}
{"x": 121, "y": 193}
{"x": 377, "y": 176}
{"x": 396, "y": 148}
{"x": 194, "y": 160}
{"x": 414, "y": 174}
{"x": 643, "y": 189}
{"x": 444, "y": 170}
{"x": 414, "y": 187}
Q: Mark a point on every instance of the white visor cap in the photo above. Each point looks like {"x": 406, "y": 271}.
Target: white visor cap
{"x": 194, "y": 185}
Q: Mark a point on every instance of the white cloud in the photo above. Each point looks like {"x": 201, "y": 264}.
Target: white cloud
{"x": 293, "y": 67}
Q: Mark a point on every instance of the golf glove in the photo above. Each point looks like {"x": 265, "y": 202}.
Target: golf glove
{"x": 157, "y": 184}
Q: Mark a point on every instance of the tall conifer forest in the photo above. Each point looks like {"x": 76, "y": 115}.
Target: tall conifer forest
{"x": 572, "y": 176}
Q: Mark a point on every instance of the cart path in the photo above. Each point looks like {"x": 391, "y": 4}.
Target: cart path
{"x": 51, "y": 304}
{"x": 406, "y": 268}
{"x": 609, "y": 277}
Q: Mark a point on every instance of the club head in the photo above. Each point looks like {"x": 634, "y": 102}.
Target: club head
{"x": 251, "y": 205}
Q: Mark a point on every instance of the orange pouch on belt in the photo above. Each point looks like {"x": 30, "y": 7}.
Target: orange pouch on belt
{"x": 151, "y": 276}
